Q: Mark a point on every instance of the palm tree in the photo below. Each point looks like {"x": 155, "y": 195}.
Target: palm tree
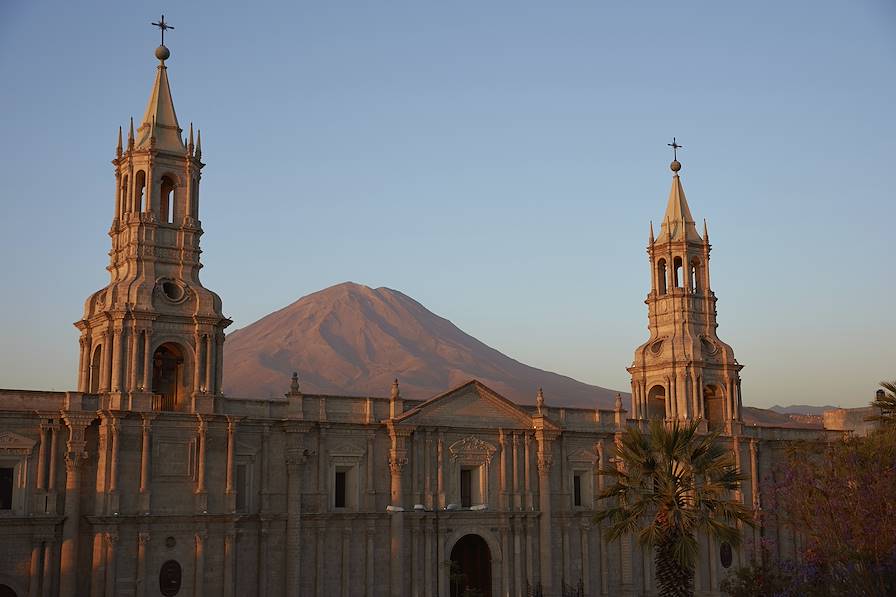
{"x": 670, "y": 484}
{"x": 885, "y": 400}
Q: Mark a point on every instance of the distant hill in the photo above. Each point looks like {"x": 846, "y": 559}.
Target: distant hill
{"x": 354, "y": 340}
{"x": 801, "y": 409}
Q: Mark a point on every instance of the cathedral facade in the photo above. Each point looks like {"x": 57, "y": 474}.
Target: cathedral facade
{"x": 149, "y": 481}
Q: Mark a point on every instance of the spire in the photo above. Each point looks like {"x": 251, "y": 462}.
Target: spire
{"x": 198, "y": 154}
{"x": 190, "y": 142}
{"x": 678, "y": 223}
{"x": 118, "y": 149}
{"x": 651, "y": 233}
{"x": 159, "y": 120}
{"x": 131, "y": 134}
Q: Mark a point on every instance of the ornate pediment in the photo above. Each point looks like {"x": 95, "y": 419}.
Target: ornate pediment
{"x": 471, "y": 405}
{"x": 582, "y": 455}
{"x": 472, "y": 450}
{"x": 13, "y": 443}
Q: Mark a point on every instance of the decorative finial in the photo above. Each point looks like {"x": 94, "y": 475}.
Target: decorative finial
{"x": 190, "y": 143}
{"x": 118, "y": 149}
{"x": 395, "y": 391}
{"x": 198, "y": 154}
{"x": 705, "y": 231}
{"x": 162, "y": 53}
{"x": 539, "y": 400}
{"x": 294, "y": 384}
{"x": 618, "y": 402}
{"x": 675, "y": 165}
{"x": 651, "y": 233}
{"x": 131, "y": 134}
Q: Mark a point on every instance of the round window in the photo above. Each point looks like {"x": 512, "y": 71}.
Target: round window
{"x": 173, "y": 291}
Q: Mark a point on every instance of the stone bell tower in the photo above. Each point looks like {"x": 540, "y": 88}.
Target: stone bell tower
{"x": 152, "y": 339}
{"x": 684, "y": 371}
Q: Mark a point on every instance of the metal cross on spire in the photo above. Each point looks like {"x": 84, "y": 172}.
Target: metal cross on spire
{"x": 163, "y": 26}
{"x": 675, "y": 147}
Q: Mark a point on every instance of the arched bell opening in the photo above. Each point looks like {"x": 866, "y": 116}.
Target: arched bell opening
{"x": 93, "y": 383}
{"x": 714, "y": 406}
{"x": 470, "y": 570}
{"x": 656, "y": 402}
{"x": 168, "y": 388}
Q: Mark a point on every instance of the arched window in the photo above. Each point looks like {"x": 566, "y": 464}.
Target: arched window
{"x": 166, "y": 203}
{"x": 125, "y": 207}
{"x": 194, "y": 199}
{"x": 93, "y": 385}
{"x": 661, "y": 276}
{"x": 676, "y": 272}
{"x": 696, "y": 284}
{"x": 656, "y": 402}
{"x": 140, "y": 191}
{"x": 714, "y": 406}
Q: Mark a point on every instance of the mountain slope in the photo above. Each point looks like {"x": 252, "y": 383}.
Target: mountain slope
{"x": 352, "y": 339}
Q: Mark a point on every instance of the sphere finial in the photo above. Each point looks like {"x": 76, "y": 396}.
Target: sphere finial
{"x": 675, "y": 165}
{"x": 163, "y": 53}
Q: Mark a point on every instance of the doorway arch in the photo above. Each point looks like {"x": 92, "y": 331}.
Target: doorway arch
{"x": 7, "y": 591}
{"x": 471, "y": 567}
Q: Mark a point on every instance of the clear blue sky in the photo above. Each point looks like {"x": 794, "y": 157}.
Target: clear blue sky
{"x": 497, "y": 161}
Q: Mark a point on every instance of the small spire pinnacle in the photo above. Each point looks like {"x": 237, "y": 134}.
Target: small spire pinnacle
{"x": 152, "y": 132}
{"x": 131, "y": 134}
{"x": 198, "y": 154}
{"x": 294, "y": 384}
{"x": 190, "y": 145}
{"x": 651, "y": 233}
{"x": 396, "y": 393}
{"x": 705, "y": 231}
{"x": 539, "y": 400}
{"x": 118, "y": 148}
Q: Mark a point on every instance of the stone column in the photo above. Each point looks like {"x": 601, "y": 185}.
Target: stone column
{"x": 346, "y": 561}
{"x": 370, "y": 563}
{"x": 199, "y": 581}
{"x": 440, "y": 474}
{"x": 584, "y": 535}
{"x": 505, "y": 563}
{"x": 49, "y": 567}
{"x": 515, "y": 474}
{"x": 105, "y": 384}
{"x": 142, "y": 543}
{"x": 427, "y": 470}
{"x": 147, "y": 361}
{"x": 564, "y": 534}
{"x": 115, "y": 427}
{"x": 84, "y": 365}
{"x": 74, "y": 460}
{"x": 545, "y": 460}
{"x": 219, "y": 363}
{"x": 229, "y": 559}
{"x": 201, "y": 493}
{"x": 266, "y": 467}
{"x": 530, "y": 552}
{"x": 200, "y": 360}
{"x": 428, "y": 588}
{"x": 209, "y": 365}
{"x": 397, "y": 461}
{"x": 42, "y": 457}
{"x": 116, "y": 359}
{"x": 517, "y": 547}
{"x": 146, "y": 447}
{"x": 371, "y": 487}
{"x": 53, "y": 471}
{"x": 98, "y": 568}
{"x": 295, "y": 458}
{"x": 111, "y": 541}
{"x": 34, "y": 569}
{"x": 502, "y": 471}
{"x": 527, "y": 476}
{"x": 228, "y": 481}
{"x": 133, "y": 358}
